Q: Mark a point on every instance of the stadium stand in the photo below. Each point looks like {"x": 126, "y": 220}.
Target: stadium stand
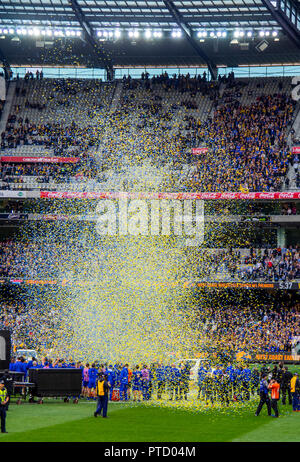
{"x": 176, "y": 113}
{"x": 190, "y": 131}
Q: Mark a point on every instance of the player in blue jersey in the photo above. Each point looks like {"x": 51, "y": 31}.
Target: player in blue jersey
{"x": 93, "y": 372}
{"x": 161, "y": 380}
{"x": 111, "y": 378}
{"x": 137, "y": 384}
{"x": 174, "y": 382}
{"x": 246, "y": 378}
{"x": 124, "y": 383}
{"x": 201, "y": 375}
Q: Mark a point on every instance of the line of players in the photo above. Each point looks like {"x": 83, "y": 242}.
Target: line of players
{"x": 139, "y": 383}
{"x": 215, "y": 384}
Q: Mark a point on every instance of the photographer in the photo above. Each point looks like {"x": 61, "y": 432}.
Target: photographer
{"x": 286, "y": 386}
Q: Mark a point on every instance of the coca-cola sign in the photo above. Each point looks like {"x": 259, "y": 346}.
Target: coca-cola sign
{"x": 173, "y": 195}
{"x": 50, "y": 160}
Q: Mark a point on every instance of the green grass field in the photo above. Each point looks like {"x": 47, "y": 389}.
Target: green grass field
{"x": 56, "y": 421}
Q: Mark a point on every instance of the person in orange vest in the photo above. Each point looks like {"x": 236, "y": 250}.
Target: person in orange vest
{"x": 274, "y": 387}
{"x": 102, "y": 390}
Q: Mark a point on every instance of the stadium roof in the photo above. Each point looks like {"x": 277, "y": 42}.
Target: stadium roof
{"x": 147, "y": 33}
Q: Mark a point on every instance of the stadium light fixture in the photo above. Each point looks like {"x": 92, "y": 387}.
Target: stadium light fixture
{"x": 176, "y": 33}
{"x": 261, "y": 33}
{"x": 219, "y": 33}
{"x": 117, "y": 33}
{"x": 249, "y": 33}
{"x": 148, "y": 34}
{"x": 212, "y": 34}
{"x": 11, "y": 31}
{"x": 224, "y": 34}
{"x": 274, "y": 33}
{"x": 157, "y": 34}
{"x": 267, "y": 33}
{"x": 78, "y": 33}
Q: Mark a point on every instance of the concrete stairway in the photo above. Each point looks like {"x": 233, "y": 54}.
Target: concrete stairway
{"x": 7, "y": 107}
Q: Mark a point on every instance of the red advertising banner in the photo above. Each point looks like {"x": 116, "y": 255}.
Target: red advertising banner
{"x": 52, "y": 160}
{"x": 296, "y": 149}
{"x": 163, "y": 195}
{"x": 199, "y": 151}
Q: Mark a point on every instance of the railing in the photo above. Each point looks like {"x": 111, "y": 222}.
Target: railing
{"x": 136, "y": 72}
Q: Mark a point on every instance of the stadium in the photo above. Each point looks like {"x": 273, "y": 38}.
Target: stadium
{"x": 149, "y": 221}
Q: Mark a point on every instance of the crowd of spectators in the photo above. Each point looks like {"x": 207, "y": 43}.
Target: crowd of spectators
{"x": 29, "y": 327}
{"x": 246, "y": 146}
{"x": 289, "y": 209}
{"x": 63, "y": 172}
{"x": 30, "y": 259}
{"x": 273, "y": 264}
{"x": 180, "y": 83}
{"x": 30, "y": 76}
{"x": 55, "y": 136}
{"x": 269, "y": 265}
{"x": 262, "y": 328}
{"x": 51, "y": 135}
{"x": 149, "y": 121}
{"x": 44, "y": 260}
